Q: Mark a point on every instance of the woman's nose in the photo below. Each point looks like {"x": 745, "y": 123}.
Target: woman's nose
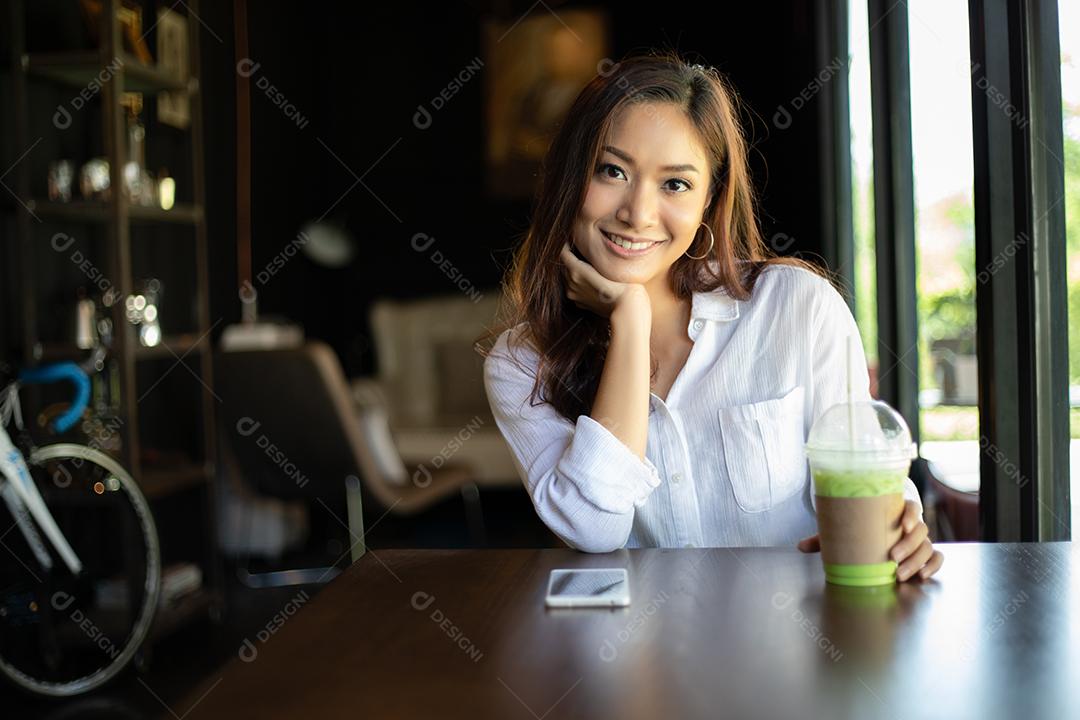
{"x": 639, "y": 208}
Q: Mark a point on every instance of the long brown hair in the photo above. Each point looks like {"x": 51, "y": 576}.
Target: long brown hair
{"x": 572, "y": 342}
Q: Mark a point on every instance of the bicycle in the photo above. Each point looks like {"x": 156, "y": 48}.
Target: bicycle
{"x": 75, "y": 611}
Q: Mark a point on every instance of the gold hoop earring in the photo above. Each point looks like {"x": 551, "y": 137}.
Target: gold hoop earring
{"x": 712, "y": 241}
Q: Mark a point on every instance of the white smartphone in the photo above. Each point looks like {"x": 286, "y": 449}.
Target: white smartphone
{"x": 588, "y": 587}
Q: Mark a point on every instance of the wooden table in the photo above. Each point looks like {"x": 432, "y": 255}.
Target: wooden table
{"x": 711, "y": 633}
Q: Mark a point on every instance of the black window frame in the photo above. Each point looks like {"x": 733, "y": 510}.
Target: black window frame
{"x": 1021, "y": 288}
{"x": 1020, "y": 252}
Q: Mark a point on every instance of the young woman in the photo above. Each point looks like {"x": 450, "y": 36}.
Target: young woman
{"x": 660, "y": 372}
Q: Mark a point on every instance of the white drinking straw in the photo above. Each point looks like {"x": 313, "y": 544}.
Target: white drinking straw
{"x": 850, "y": 406}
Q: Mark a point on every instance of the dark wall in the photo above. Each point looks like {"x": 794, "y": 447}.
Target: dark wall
{"x": 357, "y": 72}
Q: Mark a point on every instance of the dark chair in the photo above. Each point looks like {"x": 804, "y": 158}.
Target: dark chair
{"x": 293, "y": 427}
{"x": 955, "y": 513}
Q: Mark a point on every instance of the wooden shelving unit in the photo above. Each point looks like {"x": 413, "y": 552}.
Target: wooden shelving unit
{"x": 157, "y": 483}
{"x": 114, "y": 220}
{"x": 82, "y": 211}
{"x": 79, "y": 69}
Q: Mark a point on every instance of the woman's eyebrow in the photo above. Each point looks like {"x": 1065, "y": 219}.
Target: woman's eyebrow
{"x": 667, "y": 168}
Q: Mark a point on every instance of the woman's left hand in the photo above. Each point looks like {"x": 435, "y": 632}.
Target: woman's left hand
{"x": 915, "y": 556}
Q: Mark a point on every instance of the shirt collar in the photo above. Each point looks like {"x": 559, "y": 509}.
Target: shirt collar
{"x": 714, "y": 305}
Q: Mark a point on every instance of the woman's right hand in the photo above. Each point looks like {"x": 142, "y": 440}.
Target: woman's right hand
{"x": 590, "y": 290}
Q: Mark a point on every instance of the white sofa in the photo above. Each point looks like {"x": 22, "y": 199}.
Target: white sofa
{"x": 430, "y": 386}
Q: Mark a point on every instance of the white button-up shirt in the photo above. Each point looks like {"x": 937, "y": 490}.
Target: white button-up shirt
{"x": 725, "y": 464}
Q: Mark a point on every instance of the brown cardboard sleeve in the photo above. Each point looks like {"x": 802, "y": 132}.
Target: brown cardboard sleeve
{"x": 859, "y": 530}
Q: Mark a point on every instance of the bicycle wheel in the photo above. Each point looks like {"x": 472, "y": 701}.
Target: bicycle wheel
{"x": 63, "y": 635}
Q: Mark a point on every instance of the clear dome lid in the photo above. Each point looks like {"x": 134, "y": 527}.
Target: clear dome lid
{"x": 866, "y": 432}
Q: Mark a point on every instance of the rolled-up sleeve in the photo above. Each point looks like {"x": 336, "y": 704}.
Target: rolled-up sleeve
{"x": 615, "y": 478}
{"x": 834, "y": 324}
{"x": 583, "y": 481}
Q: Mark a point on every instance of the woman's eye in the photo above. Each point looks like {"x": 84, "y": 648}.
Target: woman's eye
{"x": 611, "y": 171}
{"x": 614, "y": 172}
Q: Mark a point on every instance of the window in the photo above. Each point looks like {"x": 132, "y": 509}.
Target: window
{"x": 1069, "y": 25}
{"x": 944, "y": 229}
{"x": 862, "y": 184}
{"x": 967, "y": 259}
{"x": 944, "y": 239}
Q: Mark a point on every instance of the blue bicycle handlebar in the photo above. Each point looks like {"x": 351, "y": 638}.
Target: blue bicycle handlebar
{"x": 62, "y": 371}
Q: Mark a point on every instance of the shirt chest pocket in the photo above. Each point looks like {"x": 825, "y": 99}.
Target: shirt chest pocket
{"x": 763, "y": 450}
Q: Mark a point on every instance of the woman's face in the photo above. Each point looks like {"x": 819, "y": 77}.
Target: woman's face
{"x": 650, "y": 189}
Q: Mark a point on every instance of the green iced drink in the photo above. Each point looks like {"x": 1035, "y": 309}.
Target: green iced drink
{"x": 859, "y": 456}
{"x": 859, "y": 522}
{"x": 859, "y": 483}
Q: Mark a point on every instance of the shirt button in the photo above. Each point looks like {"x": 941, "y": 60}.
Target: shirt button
{"x": 676, "y": 478}
{"x": 699, "y": 324}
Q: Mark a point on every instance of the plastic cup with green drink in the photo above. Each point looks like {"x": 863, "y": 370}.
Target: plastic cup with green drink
{"x": 860, "y": 453}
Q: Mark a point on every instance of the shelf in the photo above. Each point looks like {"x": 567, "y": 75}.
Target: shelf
{"x": 180, "y": 213}
{"x": 190, "y": 606}
{"x": 86, "y": 211}
{"x": 160, "y": 482}
{"x": 177, "y": 344}
{"x": 84, "y": 70}
{"x": 101, "y": 212}
{"x": 55, "y": 352}
{"x": 177, "y": 480}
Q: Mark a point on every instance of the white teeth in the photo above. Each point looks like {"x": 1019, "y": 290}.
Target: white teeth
{"x": 623, "y": 243}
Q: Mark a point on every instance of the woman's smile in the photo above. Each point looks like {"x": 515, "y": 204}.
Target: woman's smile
{"x": 625, "y": 246}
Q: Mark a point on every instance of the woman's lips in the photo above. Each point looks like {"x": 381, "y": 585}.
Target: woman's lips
{"x": 626, "y": 252}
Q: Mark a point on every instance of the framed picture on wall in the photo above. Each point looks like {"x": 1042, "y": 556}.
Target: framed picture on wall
{"x": 173, "y": 108}
{"x": 131, "y": 26}
{"x": 536, "y": 67}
